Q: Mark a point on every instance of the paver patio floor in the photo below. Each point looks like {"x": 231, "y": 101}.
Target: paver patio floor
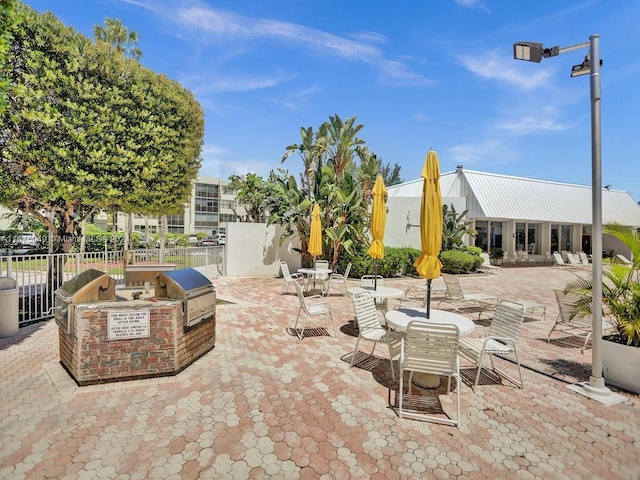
{"x": 263, "y": 404}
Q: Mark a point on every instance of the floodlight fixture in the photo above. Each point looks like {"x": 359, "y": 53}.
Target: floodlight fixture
{"x": 582, "y": 69}
{"x": 533, "y": 52}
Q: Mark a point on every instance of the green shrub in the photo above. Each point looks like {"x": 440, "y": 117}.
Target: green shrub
{"x": 396, "y": 262}
{"x": 456, "y": 261}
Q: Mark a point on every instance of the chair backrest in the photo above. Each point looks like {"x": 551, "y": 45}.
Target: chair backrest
{"x": 454, "y": 290}
{"x": 322, "y": 264}
{"x": 366, "y": 313}
{"x": 572, "y": 259}
{"x": 346, "y": 272}
{"x": 285, "y": 271}
{"x": 623, "y": 259}
{"x": 558, "y": 258}
{"x": 368, "y": 280}
{"x": 507, "y": 320}
{"x": 430, "y": 347}
{"x": 566, "y": 307}
{"x": 583, "y": 258}
{"x": 303, "y": 304}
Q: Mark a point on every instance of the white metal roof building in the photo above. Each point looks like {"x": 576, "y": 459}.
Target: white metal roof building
{"x": 515, "y": 213}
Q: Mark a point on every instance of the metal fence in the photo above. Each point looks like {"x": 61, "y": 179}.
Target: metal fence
{"x": 37, "y": 281}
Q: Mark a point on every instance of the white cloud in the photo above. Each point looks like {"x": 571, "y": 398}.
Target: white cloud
{"x": 472, "y": 4}
{"x": 544, "y": 119}
{"x": 486, "y": 152}
{"x": 204, "y": 22}
{"x": 492, "y": 66}
{"x": 232, "y": 83}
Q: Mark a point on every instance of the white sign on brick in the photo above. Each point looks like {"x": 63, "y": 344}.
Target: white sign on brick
{"x": 128, "y": 324}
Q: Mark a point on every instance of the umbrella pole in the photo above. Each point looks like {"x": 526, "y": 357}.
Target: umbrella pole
{"x": 428, "y": 299}
{"x": 375, "y": 274}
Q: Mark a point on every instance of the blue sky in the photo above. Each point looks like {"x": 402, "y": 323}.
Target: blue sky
{"x": 416, "y": 74}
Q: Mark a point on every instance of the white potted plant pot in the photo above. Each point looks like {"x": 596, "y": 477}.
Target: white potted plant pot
{"x": 621, "y": 365}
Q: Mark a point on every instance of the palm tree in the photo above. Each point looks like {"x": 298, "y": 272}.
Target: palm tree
{"x": 120, "y": 37}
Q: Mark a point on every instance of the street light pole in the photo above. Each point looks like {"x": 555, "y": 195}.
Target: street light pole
{"x": 535, "y": 52}
{"x": 596, "y": 381}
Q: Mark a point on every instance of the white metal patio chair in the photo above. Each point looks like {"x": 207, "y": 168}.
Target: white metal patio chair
{"x": 500, "y": 339}
{"x": 320, "y": 278}
{"x": 431, "y": 349}
{"x": 577, "y": 324}
{"x": 339, "y": 279}
{"x": 370, "y": 281}
{"x": 369, "y": 328}
{"x": 312, "y": 310}
{"x": 457, "y": 297}
{"x": 288, "y": 277}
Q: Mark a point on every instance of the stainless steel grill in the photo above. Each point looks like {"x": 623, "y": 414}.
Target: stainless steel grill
{"x": 194, "y": 289}
{"x": 89, "y": 286}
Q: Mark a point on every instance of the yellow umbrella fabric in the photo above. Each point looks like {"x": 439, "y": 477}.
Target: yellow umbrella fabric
{"x": 428, "y": 264}
{"x": 378, "y": 219}
{"x": 315, "y": 239}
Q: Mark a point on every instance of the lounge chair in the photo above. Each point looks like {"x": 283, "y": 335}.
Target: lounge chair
{"x": 624, "y": 259}
{"x": 456, "y": 296}
{"x": 584, "y": 260}
{"x": 578, "y": 324}
{"x": 486, "y": 264}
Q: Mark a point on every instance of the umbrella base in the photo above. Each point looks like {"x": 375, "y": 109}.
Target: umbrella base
{"x": 426, "y": 380}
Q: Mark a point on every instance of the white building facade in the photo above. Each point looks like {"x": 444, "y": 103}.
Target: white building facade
{"x": 514, "y": 213}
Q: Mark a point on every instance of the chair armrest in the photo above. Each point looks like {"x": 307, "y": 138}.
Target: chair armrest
{"x": 414, "y": 301}
{"x": 336, "y": 276}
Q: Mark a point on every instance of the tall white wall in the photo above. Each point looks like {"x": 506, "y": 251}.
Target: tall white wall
{"x": 403, "y": 220}
{"x": 253, "y": 250}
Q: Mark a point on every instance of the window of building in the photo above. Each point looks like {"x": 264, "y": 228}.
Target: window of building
{"x": 225, "y": 217}
{"x": 482, "y": 239}
{"x": 586, "y": 238}
{"x": 561, "y": 238}
{"x": 496, "y": 235}
{"x": 527, "y": 237}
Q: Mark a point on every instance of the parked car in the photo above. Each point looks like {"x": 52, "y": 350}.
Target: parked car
{"x": 208, "y": 242}
{"x": 29, "y": 240}
{"x": 193, "y": 241}
{"x": 220, "y": 239}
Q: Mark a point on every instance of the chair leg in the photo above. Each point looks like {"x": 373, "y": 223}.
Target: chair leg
{"x": 335, "y": 334}
{"x": 401, "y": 374}
{"x": 586, "y": 341}
{"x": 458, "y": 393}
{"x": 355, "y": 350}
{"x": 480, "y": 359}
{"x": 393, "y": 376}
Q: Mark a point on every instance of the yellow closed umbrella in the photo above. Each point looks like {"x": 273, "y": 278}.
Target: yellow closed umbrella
{"x": 315, "y": 238}
{"x": 378, "y": 222}
{"x": 428, "y": 264}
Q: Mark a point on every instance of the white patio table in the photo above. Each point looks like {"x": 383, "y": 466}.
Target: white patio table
{"x": 313, "y": 274}
{"x": 399, "y": 319}
{"x": 383, "y": 293}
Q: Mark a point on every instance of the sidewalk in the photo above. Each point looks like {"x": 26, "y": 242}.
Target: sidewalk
{"x": 263, "y": 404}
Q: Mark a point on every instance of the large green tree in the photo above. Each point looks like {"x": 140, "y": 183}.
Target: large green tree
{"x": 8, "y": 19}
{"x": 87, "y": 129}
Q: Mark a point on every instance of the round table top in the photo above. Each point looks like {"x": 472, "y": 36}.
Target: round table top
{"x": 380, "y": 292}
{"x": 315, "y": 271}
{"x": 399, "y": 319}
